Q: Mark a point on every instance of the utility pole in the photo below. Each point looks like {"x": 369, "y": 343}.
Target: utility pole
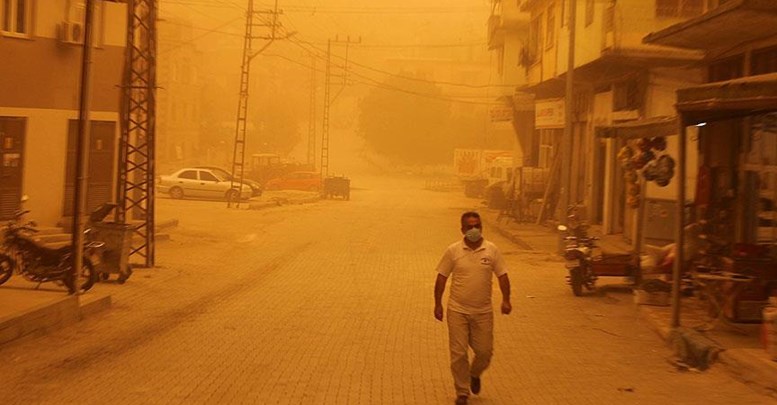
{"x": 312, "y": 114}
{"x": 254, "y": 18}
{"x": 137, "y": 144}
{"x": 82, "y": 150}
{"x": 328, "y": 99}
{"x": 566, "y": 142}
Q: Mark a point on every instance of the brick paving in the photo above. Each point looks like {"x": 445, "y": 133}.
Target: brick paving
{"x": 332, "y": 303}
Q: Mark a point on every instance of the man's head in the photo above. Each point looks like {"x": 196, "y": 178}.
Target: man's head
{"x": 471, "y": 226}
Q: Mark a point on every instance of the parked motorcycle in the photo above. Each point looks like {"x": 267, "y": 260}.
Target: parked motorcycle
{"x": 20, "y": 253}
{"x": 586, "y": 266}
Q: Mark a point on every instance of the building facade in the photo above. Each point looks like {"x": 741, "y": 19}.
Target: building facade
{"x": 40, "y": 49}
{"x": 617, "y": 79}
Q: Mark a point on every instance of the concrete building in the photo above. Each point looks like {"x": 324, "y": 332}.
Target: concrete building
{"x": 39, "y": 94}
{"x": 508, "y": 31}
{"x": 179, "y": 99}
{"x": 617, "y": 79}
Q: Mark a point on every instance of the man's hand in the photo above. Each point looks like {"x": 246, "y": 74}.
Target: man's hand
{"x": 438, "y": 312}
{"x": 506, "y": 307}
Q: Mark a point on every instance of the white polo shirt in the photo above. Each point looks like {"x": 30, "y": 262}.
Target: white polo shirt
{"x": 470, "y": 273}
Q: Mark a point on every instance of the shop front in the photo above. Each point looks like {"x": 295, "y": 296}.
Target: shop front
{"x": 736, "y": 192}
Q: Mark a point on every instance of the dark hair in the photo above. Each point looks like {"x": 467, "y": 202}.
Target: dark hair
{"x": 469, "y": 214}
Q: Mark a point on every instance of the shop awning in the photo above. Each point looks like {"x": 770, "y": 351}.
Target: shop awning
{"x": 646, "y": 128}
{"x": 730, "y": 99}
{"x": 726, "y": 26}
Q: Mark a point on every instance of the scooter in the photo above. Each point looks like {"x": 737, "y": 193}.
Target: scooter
{"x": 20, "y": 253}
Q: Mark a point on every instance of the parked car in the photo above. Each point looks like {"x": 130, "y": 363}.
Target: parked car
{"x": 306, "y": 181}
{"x": 202, "y": 183}
{"x": 256, "y": 188}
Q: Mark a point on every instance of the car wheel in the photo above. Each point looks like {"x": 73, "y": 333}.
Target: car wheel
{"x": 232, "y": 196}
{"x": 176, "y": 193}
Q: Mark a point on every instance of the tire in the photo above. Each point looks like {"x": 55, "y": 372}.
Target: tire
{"x": 123, "y": 277}
{"x": 576, "y": 281}
{"x": 176, "y": 193}
{"x": 88, "y": 275}
{"x": 6, "y": 268}
{"x": 232, "y": 196}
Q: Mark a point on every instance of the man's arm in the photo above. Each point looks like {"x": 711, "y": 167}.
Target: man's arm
{"x": 439, "y": 288}
{"x": 504, "y": 285}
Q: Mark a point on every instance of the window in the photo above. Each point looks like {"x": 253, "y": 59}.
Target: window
{"x": 589, "y": 12}
{"x": 764, "y": 61}
{"x": 189, "y": 174}
{"x": 564, "y": 13}
{"x": 679, "y": 8}
{"x": 206, "y": 176}
{"x": 550, "y": 28}
{"x": 16, "y": 15}
{"x": 726, "y": 69}
{"x": 535, "y": 39}
{"x": 627, "y": 96}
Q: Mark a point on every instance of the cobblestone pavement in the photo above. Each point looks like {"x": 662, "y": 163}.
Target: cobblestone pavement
{"x": 331, "y": 303}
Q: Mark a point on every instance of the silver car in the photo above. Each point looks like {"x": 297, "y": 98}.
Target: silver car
{"x": 202, "y": 183}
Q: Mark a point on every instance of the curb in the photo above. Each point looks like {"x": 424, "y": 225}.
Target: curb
{"x": 282, "y": 201}
{"x": 49, "y": 316}
{"x": 746, "y": 366}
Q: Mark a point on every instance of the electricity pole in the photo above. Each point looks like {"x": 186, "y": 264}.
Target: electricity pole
{"x": 82, "y": 151}
{"x": 254, "y": 18}
{"x": 137, "y": 144}
{"x": 328, "y": 99}
{"x": 312, "y": 119}
{"x": 566, "y": 142}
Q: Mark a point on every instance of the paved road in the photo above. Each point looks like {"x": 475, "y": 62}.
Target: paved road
{"x": 331, "y": 303}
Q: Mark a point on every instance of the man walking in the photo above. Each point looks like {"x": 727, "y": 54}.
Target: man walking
{"x": 470, "y": 262}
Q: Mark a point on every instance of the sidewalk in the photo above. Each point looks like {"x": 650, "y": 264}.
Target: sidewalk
{"x": 739, "y": 351}
{"x": 28, "y": 312}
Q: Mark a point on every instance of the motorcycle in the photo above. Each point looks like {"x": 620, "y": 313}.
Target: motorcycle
{"x": 20, "y": 253}
{"x": 585, "y": 267}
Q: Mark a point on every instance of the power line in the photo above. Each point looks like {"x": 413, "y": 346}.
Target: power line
{"x": 441, "y": 82}
{"x": 374, "y": 83}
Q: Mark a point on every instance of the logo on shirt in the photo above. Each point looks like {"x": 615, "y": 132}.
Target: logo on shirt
{"x": 486, "y": 261}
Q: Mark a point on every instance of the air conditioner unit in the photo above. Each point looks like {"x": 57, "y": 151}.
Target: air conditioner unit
{"x": 71, "y": 32}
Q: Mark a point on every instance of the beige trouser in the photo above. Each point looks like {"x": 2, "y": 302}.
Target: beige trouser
{"x": 476, "y": 331}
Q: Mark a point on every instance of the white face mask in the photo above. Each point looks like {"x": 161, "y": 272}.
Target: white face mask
{"x": 473, "y": 235}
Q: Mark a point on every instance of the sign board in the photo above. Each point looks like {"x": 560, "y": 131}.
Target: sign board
{"x": 501, "y": 113}
{"x": 549, "y": 114}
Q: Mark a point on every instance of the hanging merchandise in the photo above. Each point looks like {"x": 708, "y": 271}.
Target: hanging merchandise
{"x": 658, "y": 143}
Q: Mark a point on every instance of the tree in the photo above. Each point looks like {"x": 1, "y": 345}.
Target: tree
{"x": 411, "y": 128}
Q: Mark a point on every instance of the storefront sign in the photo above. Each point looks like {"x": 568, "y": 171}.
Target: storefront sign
{"x": 501, "y": 113}
{"x": 549, "y": 114}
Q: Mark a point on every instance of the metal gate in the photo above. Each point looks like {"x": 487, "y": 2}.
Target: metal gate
{"x": 11, "y": 164}
{"x": 100, "y": 186}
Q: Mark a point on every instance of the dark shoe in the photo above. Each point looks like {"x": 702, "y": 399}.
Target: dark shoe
{"x": 474, "y": 385}
{"x": 461, "y": 400}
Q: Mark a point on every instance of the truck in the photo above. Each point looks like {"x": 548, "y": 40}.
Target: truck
{"x": 478, "y": 169}
{"x": 266, "y": 166}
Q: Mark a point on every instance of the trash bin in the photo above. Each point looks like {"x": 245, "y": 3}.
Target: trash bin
{"x": 118, "y": 244}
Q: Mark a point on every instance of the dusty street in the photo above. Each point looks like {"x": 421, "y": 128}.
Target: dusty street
{"x": 331, "y": 303}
